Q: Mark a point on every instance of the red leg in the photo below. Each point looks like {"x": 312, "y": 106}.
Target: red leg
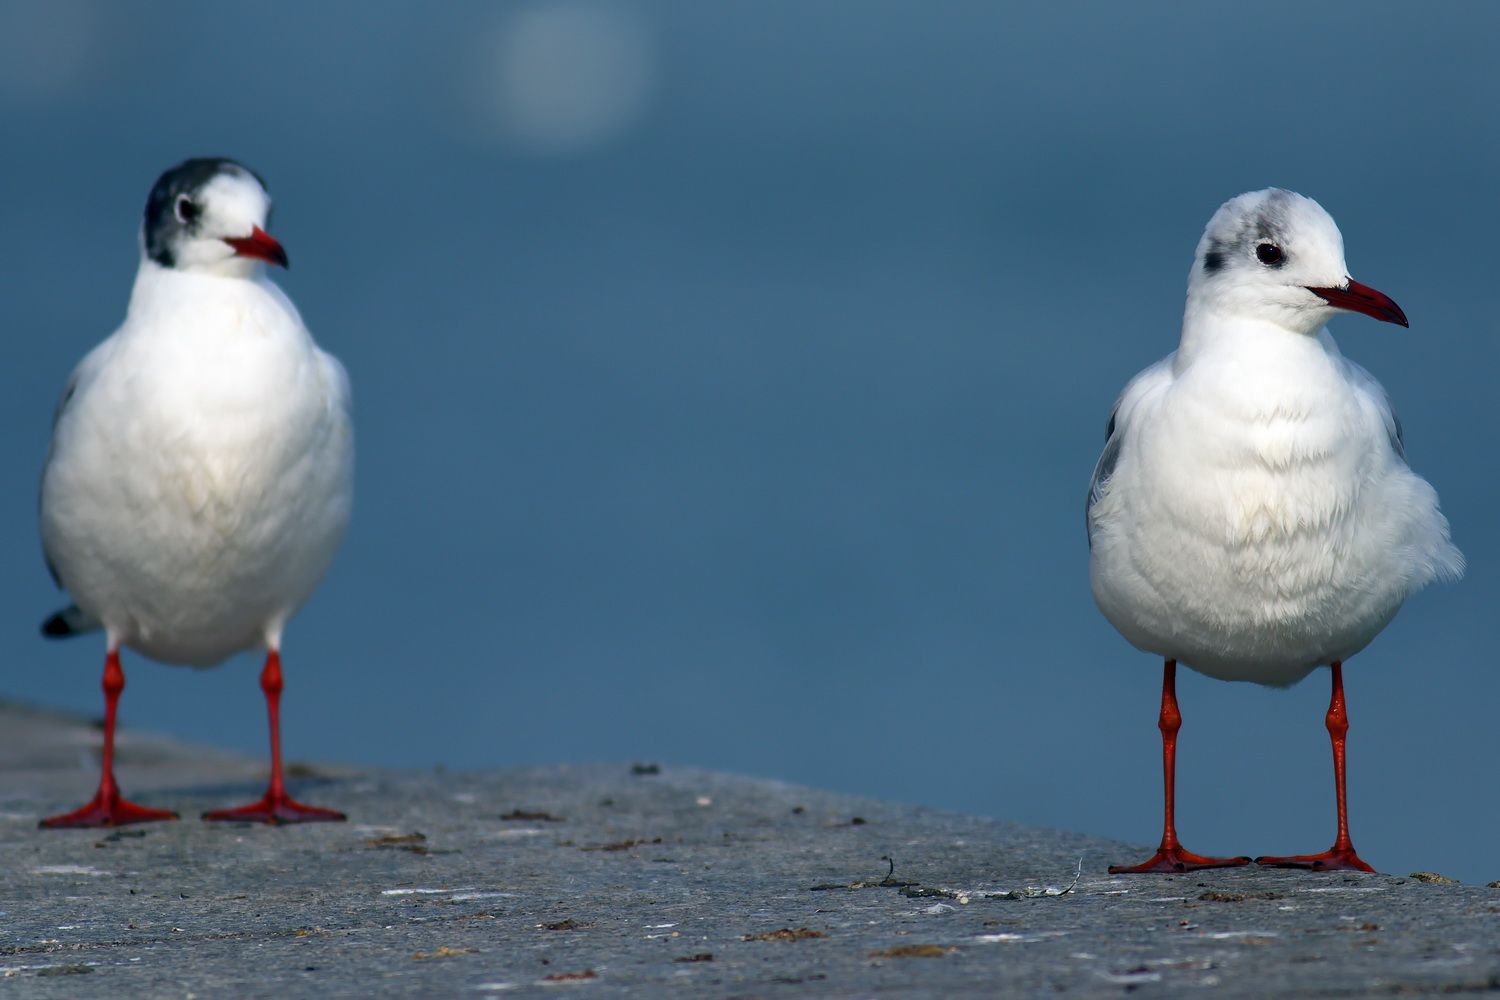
{"x": 107, "y": 808}
{"x": 1170, "y": 856}
{"x": 275, "y": 806}
{"x": 1340, "y": 857}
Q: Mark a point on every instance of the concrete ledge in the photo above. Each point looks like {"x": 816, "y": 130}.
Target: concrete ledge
{"x": 601, "y": 881}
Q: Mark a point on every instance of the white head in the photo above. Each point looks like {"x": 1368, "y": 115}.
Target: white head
{"x": 208, "y": 216}
{"x": 1277, "y": 256}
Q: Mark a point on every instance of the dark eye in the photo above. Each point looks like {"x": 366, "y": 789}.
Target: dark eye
{"x": 187, "y": 210}
{"x": 1268, "y": 253}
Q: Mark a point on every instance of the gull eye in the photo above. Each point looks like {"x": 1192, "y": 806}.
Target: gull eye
{"x": 1268, "y": 254}
{"x": 187, "y": 210}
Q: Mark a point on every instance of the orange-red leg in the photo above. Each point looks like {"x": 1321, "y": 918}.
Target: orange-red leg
{"x": 107, "y": 807}
{"x": 276, "y": 806}
{"x": 1340, "y": 857}
{"x": 1170, "y": 856}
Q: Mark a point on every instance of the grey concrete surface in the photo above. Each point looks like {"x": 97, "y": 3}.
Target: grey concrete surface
{"x": 600, "y": 880}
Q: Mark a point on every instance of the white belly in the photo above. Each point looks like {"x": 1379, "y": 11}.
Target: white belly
{"x": 193, "y": 502}
{"x": 1270, "y": 540}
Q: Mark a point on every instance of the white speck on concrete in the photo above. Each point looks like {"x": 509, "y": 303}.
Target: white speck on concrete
{"x": 1008, "y": 938}
{"x": 513, "y": 834}
{"x": 1226, "y": 935}
{"x": 1130, "y": 978}
{"x": 483, "y": 895}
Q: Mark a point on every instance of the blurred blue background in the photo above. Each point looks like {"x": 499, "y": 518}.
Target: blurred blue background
{"x": 728, "y": 377}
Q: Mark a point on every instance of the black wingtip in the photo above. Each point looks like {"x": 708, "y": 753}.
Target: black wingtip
{"x": 57, "y": 627}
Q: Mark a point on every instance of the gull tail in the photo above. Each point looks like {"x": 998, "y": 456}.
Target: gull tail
{"x": 69, "y": 621}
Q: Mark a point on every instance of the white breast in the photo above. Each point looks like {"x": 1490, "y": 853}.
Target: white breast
{"x": 1259, "y": 522}
{"x": 200, "y": 475}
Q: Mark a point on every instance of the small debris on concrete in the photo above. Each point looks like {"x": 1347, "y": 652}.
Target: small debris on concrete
{"x": 1237, "y": 897}
{"x": 568, "y": 925}
{"x": 444, "y": 952}
{"x": 914, "y": 951}
{"x": 786, "y": 934}
{"x": 394, "y": 840}
{"x": 622, "y": 845}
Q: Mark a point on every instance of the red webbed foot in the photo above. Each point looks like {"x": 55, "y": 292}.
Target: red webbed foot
{"x": 1175, "y": 859}
{"x": 276, "y": 809}
{"x": 106, "y": 810}
{"x": 1333, "y": 860}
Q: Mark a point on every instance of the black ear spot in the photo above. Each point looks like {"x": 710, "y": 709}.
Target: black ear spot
{"x": 1269, "y": 254}
{"x": 1213, "y": 262}
{"x": 187, "y": 210}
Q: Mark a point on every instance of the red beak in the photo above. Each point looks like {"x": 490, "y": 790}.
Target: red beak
{"x": 1362, "y": 299}
{"x": 262, "y": 246}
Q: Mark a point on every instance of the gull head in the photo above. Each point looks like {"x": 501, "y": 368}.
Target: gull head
{"x": 208, "y": 216}
{"x": 1277, "y": 256}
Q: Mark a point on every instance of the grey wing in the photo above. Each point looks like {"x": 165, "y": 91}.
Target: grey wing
{"x": 1104, "y": 468}
{"x": 69, "y": 391}
{"x": 1148, "y": 382}
{"x": 70, "y": 620}
{"x": 82, "y": 375}
{"x": 1382, "y": 400}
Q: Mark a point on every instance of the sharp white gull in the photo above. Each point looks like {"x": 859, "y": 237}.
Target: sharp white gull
{"x": 201, "y": 468}
{"x": 1253, "y": 515}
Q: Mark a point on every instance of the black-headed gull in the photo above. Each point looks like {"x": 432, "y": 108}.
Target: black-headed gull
{"x": 201, "y": 467}
{"x": 1253, "y": 515}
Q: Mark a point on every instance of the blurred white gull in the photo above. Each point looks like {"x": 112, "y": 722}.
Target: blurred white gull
{"x": 1253, "y": 515}
{"x": 201, "y": 467}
